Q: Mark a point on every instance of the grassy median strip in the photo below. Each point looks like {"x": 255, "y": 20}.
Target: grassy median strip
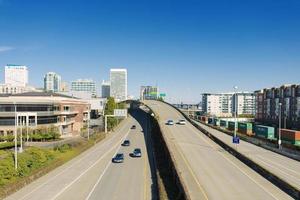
{"x": 35, "y": 162}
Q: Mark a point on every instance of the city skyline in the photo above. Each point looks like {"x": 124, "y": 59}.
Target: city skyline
{"x": 193, "y": 46}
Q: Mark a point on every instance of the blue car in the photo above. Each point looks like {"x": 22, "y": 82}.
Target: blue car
{"x": 119, "y": 158}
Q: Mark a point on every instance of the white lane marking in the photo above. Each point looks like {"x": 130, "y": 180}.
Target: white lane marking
{"x": 78, "y": 161}
{"x": 288, "y": 169}
{"x": 102, "y": 174}
{"x": 297, "y": 180}
{"x": 230, "y": 161}
{"x": 177, "y": 147}
{"x": 85, "y": 171}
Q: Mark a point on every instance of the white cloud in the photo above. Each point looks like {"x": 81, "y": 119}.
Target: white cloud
{"x": 6, "y": 48}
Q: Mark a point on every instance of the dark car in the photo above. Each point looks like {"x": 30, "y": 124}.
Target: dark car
{"x": 137, "y": 153}
{"x": 133, "y": 127}
{"x": 119, "y": 158}
{"x": 126, "y": 143}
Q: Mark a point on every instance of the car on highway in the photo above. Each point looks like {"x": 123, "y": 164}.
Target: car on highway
{"x": 126, "y": 143}
{"x": 136, "y": 152}
{"x": 170, "y": 122}
{"x": 133, "y": 127}
{"x": 119, "y": 158}
{"x": 182, "y": 122}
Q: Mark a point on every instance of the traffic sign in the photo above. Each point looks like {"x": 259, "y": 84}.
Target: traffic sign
{"x": 235, "y": 140}
{"x": 120, "y": 112}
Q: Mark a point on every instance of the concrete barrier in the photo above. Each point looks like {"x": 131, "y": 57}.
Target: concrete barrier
{"x": 273, "y": 178}
{"x": 165, "y": 161}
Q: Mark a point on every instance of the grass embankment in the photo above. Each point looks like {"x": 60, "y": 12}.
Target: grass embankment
{"x": 34, "y": 162}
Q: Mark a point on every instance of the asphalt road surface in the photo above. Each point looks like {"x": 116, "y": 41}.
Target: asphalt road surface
{"x": 284, "y": 167}
{"x": 207, "y": 170}
{"x": 92, "y": 175}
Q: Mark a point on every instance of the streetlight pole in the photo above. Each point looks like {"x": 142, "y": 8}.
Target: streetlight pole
{"x": 16, "y": 142}
{"x": 235, "y": 109}
{"x": 21, "y": 138}
{"x": 88, "y": 124}
{"x": 279, "y": 127}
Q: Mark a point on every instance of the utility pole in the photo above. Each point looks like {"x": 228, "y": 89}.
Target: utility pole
{"x": 88, "y": 124}
{"x": 235, "y": 109}
{"x": 279, "y": 127}
{"x": 16, "y": 142}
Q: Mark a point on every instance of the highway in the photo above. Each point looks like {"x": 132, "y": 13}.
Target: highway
{"x": 284, "y": 167}
{"x": 207, "y": 171}
{"x": 92, "y": 175}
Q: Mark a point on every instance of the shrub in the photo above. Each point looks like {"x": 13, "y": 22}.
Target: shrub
{"x": 7, "y": 170}
{"x": 63, "y": 148}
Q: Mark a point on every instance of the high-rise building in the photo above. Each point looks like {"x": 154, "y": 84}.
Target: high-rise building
{"x": 84, "y": 85}
{"x": 118, "y": 84}
{"x": 149, "y": 92}
{"x": 105, "y": 89}
{"x": 52, "y": 82}
{"x": 16, "y": 75}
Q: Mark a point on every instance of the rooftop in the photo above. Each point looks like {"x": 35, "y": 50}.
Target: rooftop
{"x": 37, "y": 94}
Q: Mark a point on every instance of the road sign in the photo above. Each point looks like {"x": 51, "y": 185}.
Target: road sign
{"x": 235, "y": 140}
{"x": 162, "y": 94}
{"x": 120, "y": 112}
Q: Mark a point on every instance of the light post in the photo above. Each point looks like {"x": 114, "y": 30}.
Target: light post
{"x": 16, "y": 142}
{"x": 21, "y": 138}
{"x": 235, "y": 109}
{"x": 279, "y": 127}
{"x": 88, "y": 124}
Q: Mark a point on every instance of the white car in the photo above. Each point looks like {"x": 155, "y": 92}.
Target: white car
{"x": 182, "y": 122}
{"x": 170, "y": 122}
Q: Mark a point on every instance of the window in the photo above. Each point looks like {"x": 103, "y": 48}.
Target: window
{"x": 66, "y": 108}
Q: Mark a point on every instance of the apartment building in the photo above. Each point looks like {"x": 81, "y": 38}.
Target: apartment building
{"x": 43, "y": 109}
{"x": 224, "y": 104}
{"x": 243, "y": 103}
{"x": 288, "y": 96}
{"x": 217, "y": 104}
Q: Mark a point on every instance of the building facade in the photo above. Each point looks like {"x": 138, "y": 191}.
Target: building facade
{"x": 105, "y": 89}
{"x": 276, "y": 100}
{"x": 66, "y": 113}
{"x": 245, "y": 103}
{"x": 118, "y": 84}
{"x": 217, "y": 104}
{"x": 224, "y": 104}
{"x": 10, "y": 89}
{"x": 52, "y": 82}
{"x": 149, "y": 93}
{"x": 16, "y": 75}
{"x": 64, "y": 86}
{"x": 84, "y": 85}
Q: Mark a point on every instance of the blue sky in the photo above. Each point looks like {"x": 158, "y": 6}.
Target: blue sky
{"x": 184, "y": 47}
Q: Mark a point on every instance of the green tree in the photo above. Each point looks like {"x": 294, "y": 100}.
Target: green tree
{"x": 109, "y": 110}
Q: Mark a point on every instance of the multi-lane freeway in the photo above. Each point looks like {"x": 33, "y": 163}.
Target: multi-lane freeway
{"x": 92, "y": 175}
{"x": 207, "y": 171}
{"x": 284, "y": 167}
